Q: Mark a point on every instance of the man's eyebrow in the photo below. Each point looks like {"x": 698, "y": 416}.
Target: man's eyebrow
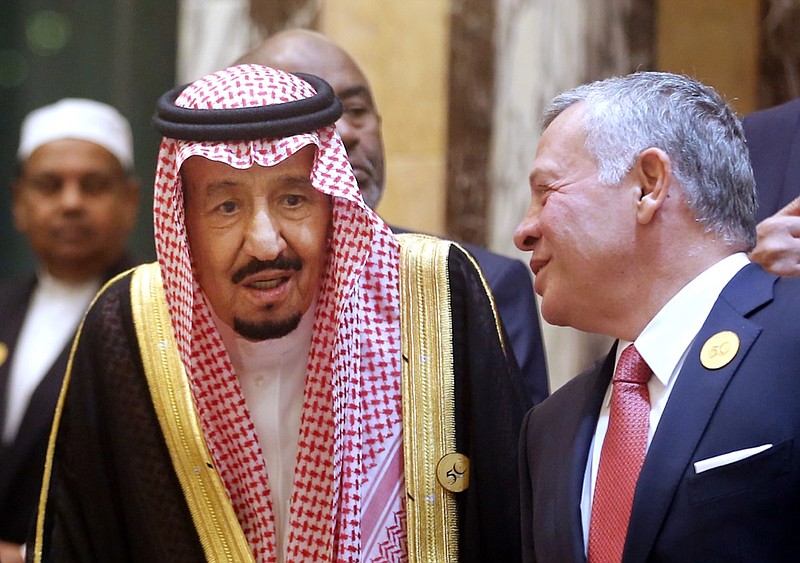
{"x": 543, "y": 172}
{"x": 358, "y": 90}
{"x": 289, "y": 179}
{"x": 41, "y": 174}
{"x": 299, "y": 180}
{"x": 216, "y": 185}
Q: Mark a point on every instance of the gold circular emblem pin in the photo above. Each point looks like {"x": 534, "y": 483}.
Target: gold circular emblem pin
{"x": 3, "y": 353}
{"x": 452, "y": 471}
{"x": 719, "y": 350}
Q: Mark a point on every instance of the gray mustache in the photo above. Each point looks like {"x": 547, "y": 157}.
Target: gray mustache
{"x": 256, "y": 266}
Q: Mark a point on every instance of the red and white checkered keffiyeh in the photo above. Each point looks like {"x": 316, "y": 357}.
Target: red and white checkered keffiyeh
{"x": 347, "y": 503}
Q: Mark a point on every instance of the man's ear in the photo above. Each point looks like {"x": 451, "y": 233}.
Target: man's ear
{"x": 653, "y": 170}
{"x": 19, "y": 212}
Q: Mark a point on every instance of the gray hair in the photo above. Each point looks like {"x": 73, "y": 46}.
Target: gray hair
{"x": 691, "y": 123}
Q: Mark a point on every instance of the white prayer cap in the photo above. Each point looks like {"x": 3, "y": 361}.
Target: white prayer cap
{"x": 77, "y": 118}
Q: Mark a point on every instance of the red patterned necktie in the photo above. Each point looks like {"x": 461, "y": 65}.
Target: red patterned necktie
{"x": 621, "y": 458}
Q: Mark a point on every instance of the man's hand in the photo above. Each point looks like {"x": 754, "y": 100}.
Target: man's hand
{"x": 10, "y": 553}
{"x": 778, "y": 245}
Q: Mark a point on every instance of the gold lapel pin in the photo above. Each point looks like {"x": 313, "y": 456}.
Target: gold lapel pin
{"x": 452, "y": 472}
{"x": 719, "y": 350}
{"x": 3, "y": 353}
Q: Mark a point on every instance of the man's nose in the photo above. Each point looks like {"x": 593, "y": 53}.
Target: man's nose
{"x": 71, "y": 194}
{"x": 263, "y": 239}
{"x": 527, "y": 232}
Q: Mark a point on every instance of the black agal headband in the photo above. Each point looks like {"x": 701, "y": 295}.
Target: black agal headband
{"x": 250, "y": 123}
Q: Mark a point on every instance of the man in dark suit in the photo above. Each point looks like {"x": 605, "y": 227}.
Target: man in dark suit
{"x": 773, "y": 139}
{"x": 642, "y": 211}
{"x": 300, "y": 50}
{"x": 76, "y": 201}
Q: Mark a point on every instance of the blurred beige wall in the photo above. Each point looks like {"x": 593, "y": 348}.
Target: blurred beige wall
{"x": 715, "y": 41}
{"x": 403, "y": 49}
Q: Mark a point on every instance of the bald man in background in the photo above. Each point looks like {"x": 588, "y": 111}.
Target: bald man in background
{"x": 301, "y": 50}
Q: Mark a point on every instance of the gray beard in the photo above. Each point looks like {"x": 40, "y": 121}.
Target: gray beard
{"x": 267, "y": 330}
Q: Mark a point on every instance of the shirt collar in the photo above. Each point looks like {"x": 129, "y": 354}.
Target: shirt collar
{"x": 48, "y": 284}
{"x": 667, "y": 337}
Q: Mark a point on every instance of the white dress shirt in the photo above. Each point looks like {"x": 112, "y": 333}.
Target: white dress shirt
{"x": 663, "y": 344}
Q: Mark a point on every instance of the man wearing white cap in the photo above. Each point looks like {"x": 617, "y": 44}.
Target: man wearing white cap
{"x": 75, "y": 199}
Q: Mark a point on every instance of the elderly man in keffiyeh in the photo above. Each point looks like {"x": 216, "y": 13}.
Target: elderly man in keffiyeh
{"x": 290, "y": 381}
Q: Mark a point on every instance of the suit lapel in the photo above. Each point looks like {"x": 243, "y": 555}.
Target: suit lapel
{"x": 15, "y": 302}
{"x": 39, "y": 414}
{"x": 691, "y": 406}
{"x": 15, "y": 299}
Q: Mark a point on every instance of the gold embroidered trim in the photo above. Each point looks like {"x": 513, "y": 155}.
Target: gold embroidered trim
{"x": 428, "y": 397}
{"x": 51, "y": 443}
{"x": 220, "y": 534}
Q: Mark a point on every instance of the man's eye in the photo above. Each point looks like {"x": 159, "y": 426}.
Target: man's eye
{"x": 46, "y": 186}
{"x": 355, "y": 111}
{"x": 542, "y": 192}
{"x": 359, "y": 115}
{"x": 293, "y": 200}
{"x": 227, "y": 207}
{"x": 94, "y": 185}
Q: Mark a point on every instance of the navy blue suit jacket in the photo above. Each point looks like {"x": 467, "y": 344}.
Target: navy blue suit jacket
{"x": 745, "y": 511}
{"x": 773, "y": 139}
{"x": 512, "y": 288}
